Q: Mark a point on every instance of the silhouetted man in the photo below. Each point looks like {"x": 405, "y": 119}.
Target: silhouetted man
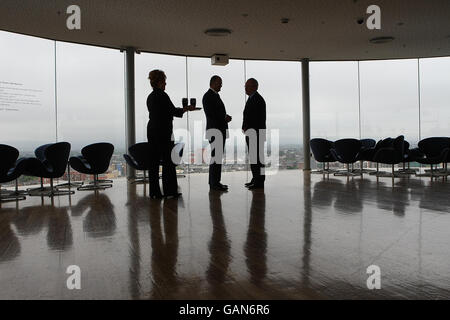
{"x": 216, "y": 130}
{"x": 254, "y": 125}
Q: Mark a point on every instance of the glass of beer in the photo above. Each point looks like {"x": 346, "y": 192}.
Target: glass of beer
{"x": 193, "y": 102}
{"x": 184, "y": 102}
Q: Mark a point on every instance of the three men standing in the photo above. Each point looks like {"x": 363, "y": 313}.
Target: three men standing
{"x": 254, "y": 125}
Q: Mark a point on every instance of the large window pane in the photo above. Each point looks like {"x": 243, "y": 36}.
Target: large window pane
{"x": 27, "y": 92}
{"x": 435, "y": 97}
{"x": 334, "y": 100}
{"x": 280, "y": 85}
{"x": 389, "y": 99}
{"x": 232, "y": 94}
{"x": 91, "y": 103}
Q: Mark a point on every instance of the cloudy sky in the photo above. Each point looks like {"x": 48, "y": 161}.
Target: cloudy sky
{"x": 373, "y": 99}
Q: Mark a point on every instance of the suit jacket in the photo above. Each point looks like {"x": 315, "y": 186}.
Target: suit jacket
{"x": 215, "y": 112}
{"x": 161, "y": 112}
{"x": 254, "y": 113}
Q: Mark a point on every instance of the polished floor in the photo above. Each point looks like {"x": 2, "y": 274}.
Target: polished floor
{"x": 303, "y": 237}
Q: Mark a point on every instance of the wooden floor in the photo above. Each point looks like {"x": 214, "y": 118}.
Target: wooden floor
{"x": 303, "y": 237}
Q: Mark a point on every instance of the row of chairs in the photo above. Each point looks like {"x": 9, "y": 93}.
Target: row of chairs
{"x": 392, "y": 151}
{"x": 51, "y": 161}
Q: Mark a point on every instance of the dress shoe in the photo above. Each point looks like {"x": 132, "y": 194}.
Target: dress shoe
{"x": 156, "y": 196}
{"x": 256, "y": 186}
{"x": 223, "y": 186}
{"x": 218, "y": 187}
{"x": 172, "y": 195}
{"x": 249, "y": 183}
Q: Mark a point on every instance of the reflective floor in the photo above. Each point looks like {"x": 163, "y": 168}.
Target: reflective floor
{"x": 303, "y": 237}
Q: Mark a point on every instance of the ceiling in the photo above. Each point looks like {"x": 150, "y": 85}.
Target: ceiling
{"x": 317, "y": 29}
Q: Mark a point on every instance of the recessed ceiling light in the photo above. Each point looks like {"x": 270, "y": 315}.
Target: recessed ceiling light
{"x": 218, "y": 32}
{"x": 379, "y": 40}
{"x": 284, "y": 20}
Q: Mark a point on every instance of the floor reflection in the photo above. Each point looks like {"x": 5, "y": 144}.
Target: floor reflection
{"x": 256, "y": 244}
{"x": 303, "y": 236}
{"x": 164, "y": 245}
{"x": 219, "y": 246}
{"x": 320, "y": 198}
{"x": 9, "y": 242}
{"x": 30, "y": 221}
{"x": 100, "y": 219}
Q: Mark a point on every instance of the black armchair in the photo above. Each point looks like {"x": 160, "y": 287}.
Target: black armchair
{"x": 433, "y": 151}
{"x": 11, "y": 169}
{"x": 409, "y": 156}
{"x": 366, "y": 146}
{"x": 139, "y": 159}
{"x": 392, "y": 154}
{"x": 50, "y": 162}
{"x": 369, "y": 154}
{"x": 346, "y": 151}
{"x": 94, "y": 160}
{"x": 321, "y": 151}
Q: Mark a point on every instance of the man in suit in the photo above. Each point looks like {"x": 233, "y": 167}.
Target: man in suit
{"x": 216, "y": 130}
{"x": 255, "y": 122}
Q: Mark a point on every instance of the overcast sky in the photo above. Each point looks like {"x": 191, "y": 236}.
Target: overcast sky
{"x": 90, "y": 94}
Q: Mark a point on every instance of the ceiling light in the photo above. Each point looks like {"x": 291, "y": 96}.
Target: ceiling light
{"x": 379, "y": 40}
{"x": 218, "y": 32}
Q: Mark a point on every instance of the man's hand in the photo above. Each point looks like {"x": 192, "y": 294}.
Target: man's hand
{"x": 190, "y": 108}
{"x": 228, "y": 118}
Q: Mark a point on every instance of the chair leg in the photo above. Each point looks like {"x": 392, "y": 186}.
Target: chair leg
{"x": 18, "y": 192}
{"x": 388, "y": 174}
{"x": 69, "y": 183}
{"x": 96, "y": 185}
{"x": 51, "y": 192}
{"x": 39, "y": 189}
{"x": 6, "y": 195}
{"x": 346, "y": 173}
{"x": 140, "y": 180}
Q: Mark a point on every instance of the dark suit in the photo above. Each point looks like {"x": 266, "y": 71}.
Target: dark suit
{"x": 159, "y": 134}
{"x": 255, "y": 118}
{"x": 215, "y": 119}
